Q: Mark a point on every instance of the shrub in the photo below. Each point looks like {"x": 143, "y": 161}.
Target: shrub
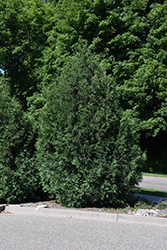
{"x": 19, "y": 177}
{"x": 87, "y": 149}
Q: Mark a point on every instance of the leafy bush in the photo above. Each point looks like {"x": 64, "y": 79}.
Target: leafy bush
{"x": 19, "y": 178}
{"x": 87, "y": 149}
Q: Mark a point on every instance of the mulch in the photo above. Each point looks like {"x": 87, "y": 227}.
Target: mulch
{"x": 54, "y": 205}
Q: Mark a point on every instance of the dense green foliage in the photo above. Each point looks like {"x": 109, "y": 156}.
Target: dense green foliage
{"x": 87, "y": 147}
{"x": 23, "y": 26}
{"x": 19, "y": 177}
{"x": 37, "y": 52}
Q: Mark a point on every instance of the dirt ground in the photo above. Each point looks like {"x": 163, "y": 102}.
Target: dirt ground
{"x": 52, "y": 204}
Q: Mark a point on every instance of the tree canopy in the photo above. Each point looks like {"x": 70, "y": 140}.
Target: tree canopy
{"x": 38, "y": 64}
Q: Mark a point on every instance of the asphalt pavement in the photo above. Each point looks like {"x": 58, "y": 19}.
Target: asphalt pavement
{"x": 159, "y": 183}
{"x": 64, "y": 229}
{"x": 69, "y": 229}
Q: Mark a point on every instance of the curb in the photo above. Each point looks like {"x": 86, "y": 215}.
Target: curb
{"x": 144, "y": 220}
{"x": 87, "y": 215}
{"x": 62, "y": 213}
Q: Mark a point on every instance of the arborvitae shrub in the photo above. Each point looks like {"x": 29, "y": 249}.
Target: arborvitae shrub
{"x": 19, "y": 177}
{"x": 87, "y": 149}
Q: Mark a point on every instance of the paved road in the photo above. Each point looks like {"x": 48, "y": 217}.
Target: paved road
{"x": 45, "y": 232}
{"x": 154, "y": 182}
{"x": 158, "y": 183}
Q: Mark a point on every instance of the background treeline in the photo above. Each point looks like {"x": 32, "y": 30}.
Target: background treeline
{"x": 83, "y": 91}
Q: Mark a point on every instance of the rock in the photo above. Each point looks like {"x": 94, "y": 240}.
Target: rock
{"x": 152, "y": 212}
{"x": 2, "y": 208}
{"x": 14, "y": 205}
{"x": 140, "y": 211}
{"x": 42, "y": 206}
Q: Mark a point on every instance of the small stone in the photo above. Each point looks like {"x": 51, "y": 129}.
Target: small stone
{"x": 141, "y": 211}
{"x": 14, "y": 205}
{"x": 42, "y": 206}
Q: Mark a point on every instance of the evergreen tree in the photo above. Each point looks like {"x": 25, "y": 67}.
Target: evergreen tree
{"x": 87, "y": 148}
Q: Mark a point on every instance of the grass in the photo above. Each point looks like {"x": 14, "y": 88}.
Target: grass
{"x": 154, "y": 175}
{"x": 145, "y": 203}
{"x": 153, "y": 192}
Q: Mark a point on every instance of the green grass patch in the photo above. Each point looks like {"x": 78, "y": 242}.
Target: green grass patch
{"x": 154, "y": 175}
{"x": 153, "y": 192}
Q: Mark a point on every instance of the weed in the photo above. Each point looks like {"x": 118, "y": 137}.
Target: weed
{"x": 143, "y": 203}
{"x": 162, "y": 205}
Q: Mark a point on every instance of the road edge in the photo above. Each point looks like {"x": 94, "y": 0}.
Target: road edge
{"x": 86, "y": 215}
